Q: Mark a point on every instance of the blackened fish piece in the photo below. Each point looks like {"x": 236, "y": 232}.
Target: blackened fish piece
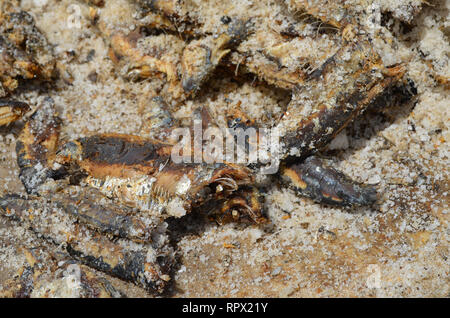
{"x": 140, "y": 173}
{"x": 74, "y": 280}
{"x": 115, "y": 155}
{"x": 138, "y": 263}
{"x": 11, "y": 110}
{"x": 36, "y": 146}
{"x": 336, "y": 13}
{"x": 326, "y": 185}
{"x": 334, "y": 104}
{"x": 105, "y": 218}
{"x": 201, "y": 57}
{"x": 24, "y": 50}
{"x": 20, "y": 286}
{"x": 112, "y": 150}
{"x": 44, "y": 277}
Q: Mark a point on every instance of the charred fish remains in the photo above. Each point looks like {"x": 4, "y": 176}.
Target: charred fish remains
{"x": 106, "y": 198}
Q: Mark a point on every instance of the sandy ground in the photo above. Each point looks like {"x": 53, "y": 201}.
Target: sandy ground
{"x": 398, "y": 248}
